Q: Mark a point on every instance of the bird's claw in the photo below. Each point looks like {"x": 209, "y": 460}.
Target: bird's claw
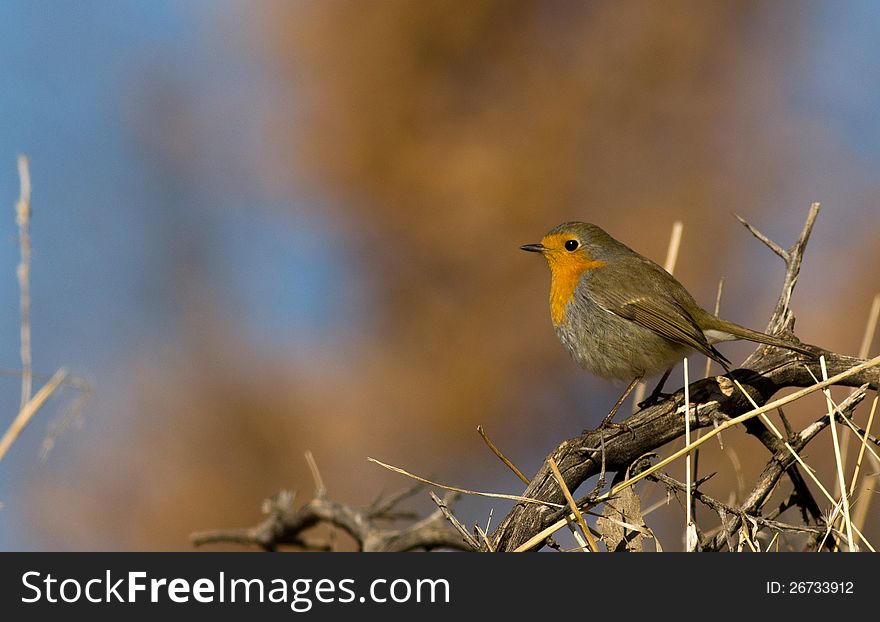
{"x": 607, "y": 424}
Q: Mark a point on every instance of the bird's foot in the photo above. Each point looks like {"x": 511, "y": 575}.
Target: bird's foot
{"x": 608, "y": 424}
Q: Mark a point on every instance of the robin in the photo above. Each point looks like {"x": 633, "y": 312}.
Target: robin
{"x": 623, "y": 317}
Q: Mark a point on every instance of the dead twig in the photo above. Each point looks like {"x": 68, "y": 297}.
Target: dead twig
{"x": 286, "y": 525}
{"x": 501, "y": 456}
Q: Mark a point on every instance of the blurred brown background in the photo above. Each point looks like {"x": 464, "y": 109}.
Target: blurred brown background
{"x": 423, "y": 143}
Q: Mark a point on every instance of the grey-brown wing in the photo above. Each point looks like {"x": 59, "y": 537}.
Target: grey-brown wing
{"x": 655, "y": 310}
{"x": 670, "y": 321}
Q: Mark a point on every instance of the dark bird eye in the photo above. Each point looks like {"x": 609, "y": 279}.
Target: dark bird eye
{"x": 571, "y": 245}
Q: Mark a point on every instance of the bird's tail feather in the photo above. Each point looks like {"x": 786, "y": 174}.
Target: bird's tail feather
{"x": 741, "y": 332}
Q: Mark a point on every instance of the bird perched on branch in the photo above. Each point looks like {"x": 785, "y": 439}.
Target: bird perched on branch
{"x": 623, "y": 317}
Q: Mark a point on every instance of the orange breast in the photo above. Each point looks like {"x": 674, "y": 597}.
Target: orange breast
{"x": 564, "y": 280}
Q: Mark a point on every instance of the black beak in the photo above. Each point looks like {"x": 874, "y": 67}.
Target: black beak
{"x": 534, "y": 248}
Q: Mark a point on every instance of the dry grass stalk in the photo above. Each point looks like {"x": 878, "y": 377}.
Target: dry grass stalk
{"x": 493, "y": 495}
{"x": 573, "y": 507}
{"x": 23, "y": 219}
{"x": 29, "y": 410}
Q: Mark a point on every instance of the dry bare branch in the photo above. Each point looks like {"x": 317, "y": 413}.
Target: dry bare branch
{"x": 286, "y": 525}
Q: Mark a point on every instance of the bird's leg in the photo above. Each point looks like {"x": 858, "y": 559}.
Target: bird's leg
{"x": 606, "y": 422}
{"x": 657, "y": 393}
